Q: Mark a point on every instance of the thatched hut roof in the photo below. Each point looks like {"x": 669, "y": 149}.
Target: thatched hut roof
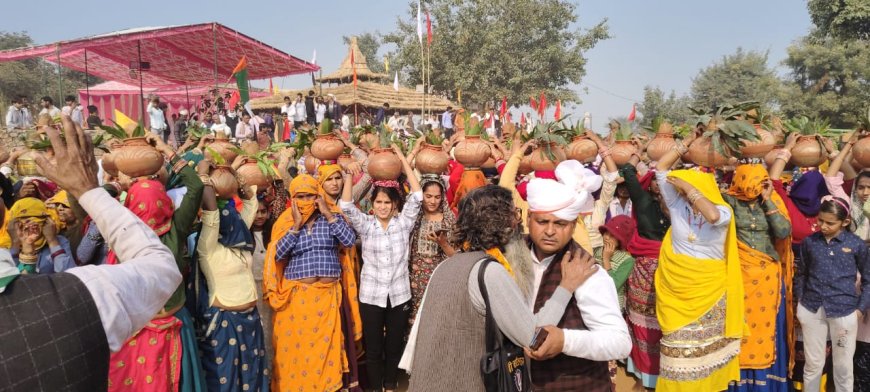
{"x": 344, "y": 73}
{"x": 368, "y": 94}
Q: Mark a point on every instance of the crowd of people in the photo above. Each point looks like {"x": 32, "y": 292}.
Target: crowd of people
{"x": 745, "y": 278}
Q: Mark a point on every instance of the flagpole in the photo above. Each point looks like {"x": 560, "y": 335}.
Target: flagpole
{"x": 423, "y": 70}
{"x": 429, "y": 72}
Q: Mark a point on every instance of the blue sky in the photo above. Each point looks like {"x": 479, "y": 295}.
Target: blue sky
{"x": 655, "y": 42}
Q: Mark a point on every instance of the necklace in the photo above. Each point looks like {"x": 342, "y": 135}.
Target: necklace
{"x": 696, "y": 220}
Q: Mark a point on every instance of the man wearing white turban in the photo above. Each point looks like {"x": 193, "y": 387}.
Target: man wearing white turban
{"x": 592, "y": 327}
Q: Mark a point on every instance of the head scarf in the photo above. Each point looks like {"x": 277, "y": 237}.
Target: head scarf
{"x": 553, "y": 197}
{"x": 522, "y": 187}
{"x": 470, "y": 180}
{"x": 807, "y": 192}
{"x": 61, "y": 198}
{"x": 748, "y": 182}
{"x": 647, "y": 179}
{"x": 32, "y": 209}
{"x": 448, "y": 221}
{"x": 232, "y": 230}
{"x": 304, "y": 183}
{"x": 581, "y": 180}
{"x": 147, "y": 199}
{"x": 44, "y": 188}
{"x": 323, "y": 173}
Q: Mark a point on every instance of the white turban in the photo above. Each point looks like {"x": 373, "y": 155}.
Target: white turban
{"x": 552, "y": 197}
{"x": 580, "y": 180}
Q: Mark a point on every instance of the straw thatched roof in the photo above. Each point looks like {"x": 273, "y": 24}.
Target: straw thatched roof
{"x": 368, "y": 94}
{"x": 344, "y": 73}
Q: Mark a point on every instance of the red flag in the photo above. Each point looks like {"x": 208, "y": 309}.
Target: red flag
{"x": 234, "y": 99}
{"x": 633, "y": 114}
{"x": 533, "y": 103}
{"x": 353, "y": 65}
{"x": 523, "y": 118}
{"x": 503, "y": 107}
{"x": 542, "y": 104}
{"x": 271, "y": 89}
{"x": 428, "y": 29}
{"x": 558, "y": 109}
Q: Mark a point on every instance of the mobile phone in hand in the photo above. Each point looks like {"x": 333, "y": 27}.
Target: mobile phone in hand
{"x": 539, "y": 338}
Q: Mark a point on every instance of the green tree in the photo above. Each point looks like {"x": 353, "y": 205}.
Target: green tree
{"x": 844, "y": 19}
{"x": 369, "y": 44}
{"x": 670, "y": 107}
{"x": 742, "y": 76}
{"x": 495, "y": 48}
{"x": 829, "y": 78}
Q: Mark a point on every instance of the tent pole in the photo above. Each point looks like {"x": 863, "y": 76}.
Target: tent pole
{"x": 87, "y": 85}
{"x": 214, "y": 49}
{"x": 141, "y": 90}
{"x": 59, "y": 75}
{"x": 187, "y": 93}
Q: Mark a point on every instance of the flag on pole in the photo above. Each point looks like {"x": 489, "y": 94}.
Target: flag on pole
{"x": 234, "y": 99}
{"x": 523, "y": 119}
{"x": 314, "y": 57}
{"x": 533, "y": 103}
{"x": 633, "y": 114}
{"x": 396, "y": 82}
{"x": 503, "y": 110}
{"x": 558, "y": 109}
{"x": 240, "y": 73}
{"x": 353, "y": 65}
{"x": 428, "y": 29}
{"x": 419, "y": 23}
{"x": 125, "y": 122}
{"x": 271, "y": 87}
{"x": 386, "y": 64}
{"x": 542, "y": 105}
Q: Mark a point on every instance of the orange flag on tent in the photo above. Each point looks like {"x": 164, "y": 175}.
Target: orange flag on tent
{"x": 542, "y": 105}
{"x": 558, "y": 109}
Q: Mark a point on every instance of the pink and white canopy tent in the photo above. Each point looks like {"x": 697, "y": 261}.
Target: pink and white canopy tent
{"x": 125, "y": 97}
{"x": 192, "y": 55}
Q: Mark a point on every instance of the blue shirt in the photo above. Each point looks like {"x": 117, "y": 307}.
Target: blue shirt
{"x": 52, "y": 259}
{"x": 447, "y": 120}
{"x": 825, "y": 274}
{"x": 314, "y": 252}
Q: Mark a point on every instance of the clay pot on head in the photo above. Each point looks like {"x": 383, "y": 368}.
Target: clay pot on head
{"x": 225, "y": 183}
{"x": 472, "y": 152}
{"x": 431, "y": 160}
{"x": 345, "y": 159}
{"x": 311, "y": 163}
{"x": 621, "y": 151}
{"x": 108, "y": 164}
{"x": 660, "y": 145}
{"x": 384, "y": 164}
{"x": 760, "y": 147}
{"x": 137, "y": 158}
{"x": 525, "y": 165}
{"x": 808, "y": 152}
{"x": 327, "y": 147}
{"x": 250, "y": 147}
{"x": 224, "y": 148}
{"x": 581, "y": 149}
{"x": 541, "y": 161}
{"x": 251, "y": 174}
{"x": 861, "y": 152}
{"x": 701, "y": 153}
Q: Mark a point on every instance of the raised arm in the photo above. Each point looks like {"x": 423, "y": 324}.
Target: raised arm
{"x": 775, "y": 170}
{"x": 409, "y": 171}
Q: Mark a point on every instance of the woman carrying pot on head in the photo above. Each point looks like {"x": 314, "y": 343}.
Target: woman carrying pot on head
{"x": 699, "y": 288}
{"x": 766, "y": 260}
{"x": 431, "y": 238}
{"x": 306, "y": 293}
{"x": 385, "y": 291}
{"x": 233, "y": 353}
{"x": 36, "y": 246}
{"x": 172, "y": 329}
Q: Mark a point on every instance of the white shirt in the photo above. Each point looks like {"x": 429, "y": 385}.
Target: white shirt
{"x": 607, "y": 336}
{"x": 345, "y": 123}
{"x": 384, "y": 272}
{"x": 224, "y": 128}
{"x": 616, "y": 208}
{"x": 52, "y": 111}
{"x": 76, "y": 114}
{"x": 129, "y": 294}
{"x": 14, "y": 118}
{"x": 320, "y": 112}
{"x": 299, "y": 113}
{"x": 284, "y": 108}
{"x": 155, "y": 116}
{"x": 395, "y": 122}
{"x": 709, "y": 240}
{"x": 244, "y": 131}
{"x": 599, "y": 211}
{"x": 26, "y": 117}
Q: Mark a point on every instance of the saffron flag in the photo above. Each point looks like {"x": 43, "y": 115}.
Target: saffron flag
{"x": 125, "y": 122}
{"x": 558, "y": 109}
{"x": 503, "y": 107}
{"x": 533, "y": 103}
{"x": 633, "y": 114}
{"x": 353, "y": 65}
{"x": 419, "y": 23}
{"x": 542, "y": 105}
{"x": 240, "y": 72}
{"x": 396, "y": 82}
{"x": 428, "y": 29}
